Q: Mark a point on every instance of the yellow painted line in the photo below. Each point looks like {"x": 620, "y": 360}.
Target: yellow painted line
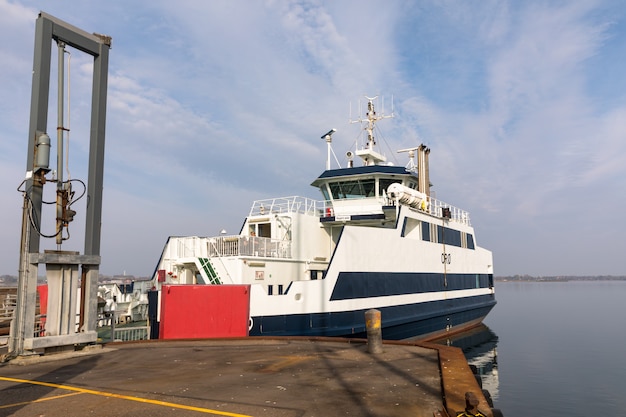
{"x": 56, "y": 397}
{"x": 124, "y": 397}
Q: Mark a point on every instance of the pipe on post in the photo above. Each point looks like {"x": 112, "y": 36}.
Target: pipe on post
{"x": 374, "y": 331}
{"x": 60, "y": 186}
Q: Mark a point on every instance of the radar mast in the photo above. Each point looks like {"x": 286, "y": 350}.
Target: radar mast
{"x": 368, "y": 154}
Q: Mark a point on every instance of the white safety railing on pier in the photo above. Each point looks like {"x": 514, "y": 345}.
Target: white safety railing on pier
{"x": 129, "y": 334}
{"x": 112, "y": 328}
{"x": 8, "y": 302}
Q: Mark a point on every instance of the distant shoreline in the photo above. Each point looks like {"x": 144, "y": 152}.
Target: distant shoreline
{"x": 526, "y": 278}
{"x": 11, "y": 281}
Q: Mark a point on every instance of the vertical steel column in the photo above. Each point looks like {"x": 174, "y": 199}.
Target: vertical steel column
{"x": 23, "y": 322}
{"x": 89, "y": 282}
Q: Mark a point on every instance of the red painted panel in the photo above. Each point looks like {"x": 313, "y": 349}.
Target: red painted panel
{"x": 204, "y": 311}
{"x": 43, "y": 298}
{"x": 43, "y": 306}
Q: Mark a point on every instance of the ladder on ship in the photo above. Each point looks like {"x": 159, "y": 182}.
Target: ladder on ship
{"x": 209, "y": 270}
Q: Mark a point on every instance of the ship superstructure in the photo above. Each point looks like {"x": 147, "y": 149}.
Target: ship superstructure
{"x": 378, "y": 239}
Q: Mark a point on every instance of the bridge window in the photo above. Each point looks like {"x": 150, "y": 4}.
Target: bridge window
{"x": 265, "y": 229}
{"x": 324, "y": 191}
{"x": 353, "y": 189}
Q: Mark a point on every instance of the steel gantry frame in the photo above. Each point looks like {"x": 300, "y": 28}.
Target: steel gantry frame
{"x": 61, "y": 266}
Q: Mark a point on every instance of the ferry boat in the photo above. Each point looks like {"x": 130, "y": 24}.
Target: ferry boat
{"x": 377, "y": 240}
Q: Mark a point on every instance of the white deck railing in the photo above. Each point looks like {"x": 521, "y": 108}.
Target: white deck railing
{"x": 248, "y": 246}
{"x": 318, "y": 207}
{"x": 293, "y": 204}
{"x": 436, "y": 209}
{"x": 208, "y": 247}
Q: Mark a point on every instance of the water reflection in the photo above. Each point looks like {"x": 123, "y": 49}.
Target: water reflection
{"x": 480, "y": 348}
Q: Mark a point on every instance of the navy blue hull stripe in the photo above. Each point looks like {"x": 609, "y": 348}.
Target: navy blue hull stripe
{"x": 352, "y": 285}
{"x": 398, "y": 322}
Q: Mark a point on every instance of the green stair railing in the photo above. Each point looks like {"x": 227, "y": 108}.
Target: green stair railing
{"x": 209, "y": 271}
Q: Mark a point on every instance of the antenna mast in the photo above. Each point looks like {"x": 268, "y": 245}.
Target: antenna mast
{"x": 328, "y": 137}
{"x": 369, "y": 154}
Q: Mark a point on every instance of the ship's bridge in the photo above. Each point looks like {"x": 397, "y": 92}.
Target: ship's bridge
{"x": 361, "y": 191}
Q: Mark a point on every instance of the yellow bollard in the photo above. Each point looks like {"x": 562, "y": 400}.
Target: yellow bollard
{"x": 374, "y": 331}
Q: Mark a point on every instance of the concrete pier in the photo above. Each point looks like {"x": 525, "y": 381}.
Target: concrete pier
{"x": 241, "y": 377}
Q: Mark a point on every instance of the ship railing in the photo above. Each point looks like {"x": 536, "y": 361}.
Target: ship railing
{"x": 188, "y": 247}
{"x": 437, "y": 207}
{"x": 248, "y": 246}
{"x": 321, "y": 208}
{"x": 294, "y": 204}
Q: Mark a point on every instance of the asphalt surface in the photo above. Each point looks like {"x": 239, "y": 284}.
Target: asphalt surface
{"x": 227, "y": 377}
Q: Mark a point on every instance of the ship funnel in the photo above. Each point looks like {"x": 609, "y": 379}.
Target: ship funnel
{"x": 422, "y": 170}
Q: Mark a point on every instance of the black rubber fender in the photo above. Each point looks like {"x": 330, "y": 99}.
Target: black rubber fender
{"x": 496, "y": 412}
{"x": 479, "y": 380}
{"x": 487, "y": 396}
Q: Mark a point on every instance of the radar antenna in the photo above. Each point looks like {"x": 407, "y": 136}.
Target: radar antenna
{"x": 412, "y": 164}
{"x": 328, "y": 137}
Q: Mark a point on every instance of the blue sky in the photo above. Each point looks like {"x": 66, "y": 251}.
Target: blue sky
{"x": 212, "y": 105}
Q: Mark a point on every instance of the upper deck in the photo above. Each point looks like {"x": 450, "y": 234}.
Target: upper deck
{"x": 366, "y": 194}
{"x": 322, "y": 209}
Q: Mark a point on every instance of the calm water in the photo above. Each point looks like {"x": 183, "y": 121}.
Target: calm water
{"x": 555, "y": 349}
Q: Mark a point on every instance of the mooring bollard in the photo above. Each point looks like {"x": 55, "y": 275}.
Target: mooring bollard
{"x": 374, "y": 332}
